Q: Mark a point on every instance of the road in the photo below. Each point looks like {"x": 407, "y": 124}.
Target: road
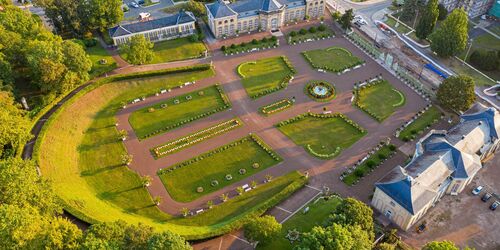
{"x": 156, "y": 10}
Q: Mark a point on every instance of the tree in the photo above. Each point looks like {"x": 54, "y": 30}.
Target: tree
{"x": 20, "y": 227}
{"x": 14, "y": 125}
{"x": 385, "y": 246}
{"x": 346, "y": 19}
{"x": 440, "y": 245}
{"x": 198, "y": 8}
{"x": 354, "y": 212}
{"x": 262, "y": 229}
{"x": 76, "y": 59}
{"x": 61, "y": 234}
{"x": 146, "y": 180}
{"x": 451, "y": 36}
{"x": 127, "y": 159}
{"x": 157, "y": 200}
{"x": 167, "y": 240}
{"x": 457, "y": 92}
{"x": 335, "y": 237}
{"x": 443, "y": 12}
{"x": 428, "y": 20}
{"x": 104, "y": 14}
{"x": 409, "y": 11}
{"x": 137, "y": 236}
{"x": 138, "y": 50}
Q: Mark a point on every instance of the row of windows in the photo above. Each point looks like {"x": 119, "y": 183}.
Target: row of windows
{"x": 291, "y": 15}
{"x": 316, "y": 3}
{"x": 225, "y": 21}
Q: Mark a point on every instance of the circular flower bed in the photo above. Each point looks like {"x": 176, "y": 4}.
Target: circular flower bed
{"x": 229, "y": 177}
{"x": 255, "y": 165}
{"x": 242, "y": 171}
{"x": 214, "y": 183}
{"x": 320, "y": 91}
{"x": 199, "y": 189}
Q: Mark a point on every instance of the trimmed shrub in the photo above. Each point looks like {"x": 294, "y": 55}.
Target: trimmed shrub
{"x": 303, "y": 31}
{"x": 293, "y": 33}
{"x": 255, "y": 42}
{"x": 312, "y": 30}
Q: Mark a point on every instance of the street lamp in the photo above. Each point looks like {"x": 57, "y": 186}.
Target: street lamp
{"x": 468, "y": 50}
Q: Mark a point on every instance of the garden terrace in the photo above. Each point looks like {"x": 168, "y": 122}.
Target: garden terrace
{"x": 429, "y": 117}
{"x": 318, "y": 213}
{"x": 323, "y": 136}
{"x": 334, "y": 59}
{"x": 177, "y": 111}
{"x": 379, "y": 99}
{"x": 275, "y": 107}
{"x": 200, "y": 136}
{"x": 320, "y": 91}
{"x": 369, "y": 164}
{"x": 265, "y": 76}
{"x": 218, "y": 168}
{"x": 254, "y": 45}
{"x": 311, "y": 34}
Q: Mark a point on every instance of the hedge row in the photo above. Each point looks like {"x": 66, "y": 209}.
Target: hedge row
{"x": 227, "y": 105}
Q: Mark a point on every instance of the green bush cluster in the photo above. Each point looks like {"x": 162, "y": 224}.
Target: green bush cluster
{"x": 227, "y": 105}
{"x": 263, "y": 43}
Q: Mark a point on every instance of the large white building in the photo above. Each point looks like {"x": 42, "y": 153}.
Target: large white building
{"x": 228, "y": 19}
{"x": 474, "y": 8}
{"x": 444, "y": 163}
{"x": 173, "y": 26}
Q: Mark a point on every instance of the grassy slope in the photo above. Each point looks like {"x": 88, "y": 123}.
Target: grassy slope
{"x": 144, "y": 122}
{"x": 422, "y": 122}
{"x": 324, "y": 134}
{"x": 379, "y": 99}
{"x": 97, "y": 53}
{"x": 333, "y": 57}
{"x": 265, "y": 74}
{"x": 182, "y": 182}
{"x": 303, "y": 222}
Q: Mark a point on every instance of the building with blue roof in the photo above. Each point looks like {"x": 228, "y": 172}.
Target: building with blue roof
{"x": 445, "y": 162}
{"x": 173, "y": 26}
{"x": 229, "y": 19}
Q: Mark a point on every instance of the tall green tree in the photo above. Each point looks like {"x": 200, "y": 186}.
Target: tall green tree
{"x": 138, "y": 50}
{"x": 451, "y": 36}
{"x": 409, "y": 11}
{"x": 198, "y": 8}
{"x": 335, "y": 237}
{"x": 457, "y": 93}
{"x": 60, "y": 233}
{"x": 104, "y": 14}
{"x": 354, "y": 212}
{"x": 346, "y": 19}
{"x": 262, "y": 229}
{"x": 167, "y": 241}
{"x": 428, "y": 20}
{"x": 14, "y": 126}
{"x": 440, "y": 245}
{"x": 443, "y": 12}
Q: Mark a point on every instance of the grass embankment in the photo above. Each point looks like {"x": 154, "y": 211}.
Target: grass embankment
{"x": 218, "y": 168}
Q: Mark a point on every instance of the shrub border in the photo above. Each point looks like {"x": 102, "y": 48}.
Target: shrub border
{"x": 264, "y": 111}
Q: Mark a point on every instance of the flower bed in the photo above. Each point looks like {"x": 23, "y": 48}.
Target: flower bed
{"x": 254, "y": 45}
{"x": 276, "y": 107}
{"x": 312, "y": 34}
{"x": 321, "y": 91}
{"x": 189, "y": 140}
{"x": 375, "y": 158}
{"x": 334, "y": 59}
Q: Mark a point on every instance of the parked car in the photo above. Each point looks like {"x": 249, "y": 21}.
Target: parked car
{"x": 134, "y": 4}
{"x": 495, "y": 205}
{"x": 486, "y": 197}
{"x": 140, "y": 2}
{"x": 477, "y": 190}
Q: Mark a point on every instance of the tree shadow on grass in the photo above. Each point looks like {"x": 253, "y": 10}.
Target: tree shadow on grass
{"x": 110, "y": 195}
{"x": 100, "y": 170}
{"x": 134, "y": 210}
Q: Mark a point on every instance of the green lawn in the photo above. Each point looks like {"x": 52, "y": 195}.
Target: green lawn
{"x": 264, "y": 76}
{"x": 430, "y": 117}
{"x": 335, "y": 59}
{"x": 97, "y": 53}
{"x": 401, "y": 27}
{"x": 175, "y": 50}
{"x": 183, "y": 179}
{"x": 325, "y": 135}
{"x": 462, "y": 69}
{"x": 303, "y": 222}
{"x": 485, "y": 42}
{"x": 380, "y": 99}
{"x": 194, "y": 138}
{"x": 156, "y": 119}
{"x": 364, "y": 168}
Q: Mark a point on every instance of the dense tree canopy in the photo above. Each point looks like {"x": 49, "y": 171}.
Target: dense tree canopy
{"x": 167, "y": 241}
{"x": 451, "y": 36}
{"x": 410, "y": 8}
{"x": 262, "y": 229}
{"x": 138, "y": 50}
{"x": 440, "y": 245}
{"x": 457, "y": 93}
{"x": 14, "y": 126}
{"x": 443, "y": 12}
{"x": 335, "y": 237}
{"x": 198, "y": 8}
{"x": 428, "y": 20}
{"x": 346, "y": 19}
{"x": 354, "y": 212}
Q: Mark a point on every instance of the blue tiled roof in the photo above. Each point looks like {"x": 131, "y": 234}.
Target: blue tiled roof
{"x": 245, "y": 8}
{"x": 127, "y": 29}
{"x": 220, "y": 9}
{"x": 488, "y": 116}
{"x": 399, "y": 191}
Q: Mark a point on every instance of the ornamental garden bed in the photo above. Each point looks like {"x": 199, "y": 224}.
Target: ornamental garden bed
{"x": 218, "y": 168}
{"x": 312, "y": 34}
{"x": 254, "y": 45}
{"x": 317, "y": 213}
{"x": 266, "y": 75}
{"x": 378, "y": 98}
{"x": 276, "y": 107}
{"x": 374, "y": 160}
{"x": 197, "y": 137}
{"x": 424, "y": 120}
{"x": 322, "y": 135}
{"x": 320, "y": 91}
{"x": 334, "y": 59}
{"x": 177, "y": 111}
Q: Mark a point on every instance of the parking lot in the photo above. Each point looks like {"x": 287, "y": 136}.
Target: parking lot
{"x": 465, "y": 219}
{"x": 155, "y": 10}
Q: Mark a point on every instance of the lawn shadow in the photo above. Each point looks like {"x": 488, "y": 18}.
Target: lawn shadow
{"x": 100, "y": 170}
